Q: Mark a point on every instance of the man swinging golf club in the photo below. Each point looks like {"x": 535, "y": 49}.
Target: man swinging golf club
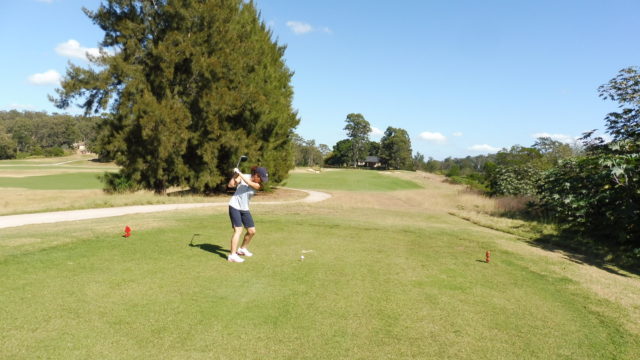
{"x": 246, "y": 186}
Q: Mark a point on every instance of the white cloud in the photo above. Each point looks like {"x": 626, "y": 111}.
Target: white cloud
{"x": 72, "y": 49}
{"x": 45, "y": 1}
{"x": 558, "y": 137}
{"x": 301, "y": 28}
{"x": 435, "y": 137}
{"x": 457, "y": 133}
{"x": 484, "y": 148}
{"x": 50, "y": 77}
{"x": 376, "y": 132}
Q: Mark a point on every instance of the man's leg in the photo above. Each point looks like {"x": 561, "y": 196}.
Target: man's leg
{"x": 251, "y": 232}
{"x": 237, "y": 231}
{"x": 247, "y": 220}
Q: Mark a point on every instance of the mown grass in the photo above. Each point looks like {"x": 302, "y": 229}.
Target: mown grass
{"x": 363, "y": 291}
{"x": 71, "y": 181}
{"x": 349, "y": 180}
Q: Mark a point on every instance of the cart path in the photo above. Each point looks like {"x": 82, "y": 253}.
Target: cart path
{"x": 84, "y": 214}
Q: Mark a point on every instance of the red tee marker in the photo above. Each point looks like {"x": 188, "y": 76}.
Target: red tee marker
{"x": 488, "y": 256}
{"x": 127, "y": 231}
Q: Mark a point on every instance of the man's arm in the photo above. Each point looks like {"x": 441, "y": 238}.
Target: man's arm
{"x": 233, "y": 182}
{"x": 248, "y": 181}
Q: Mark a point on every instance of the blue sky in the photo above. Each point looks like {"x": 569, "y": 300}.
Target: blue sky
{"x": 463, "y": 77}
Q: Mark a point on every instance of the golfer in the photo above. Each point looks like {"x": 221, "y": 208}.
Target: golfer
{"x": 239, "y": 214}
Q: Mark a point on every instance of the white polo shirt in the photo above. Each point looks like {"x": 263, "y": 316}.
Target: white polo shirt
{"x": 242, "y": 196}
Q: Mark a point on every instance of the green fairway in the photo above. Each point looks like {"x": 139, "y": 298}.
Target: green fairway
{"x": 350, "y": 180}
{"x": 378, "y": 281}
{"x": 70, "y": 181}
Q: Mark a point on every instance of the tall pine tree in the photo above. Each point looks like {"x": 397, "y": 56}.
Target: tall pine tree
{"x": 189, "y": 85}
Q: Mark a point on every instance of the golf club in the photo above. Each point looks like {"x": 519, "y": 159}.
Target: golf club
{"x": 193, "y": 237}
{"x": 243, "y": 158}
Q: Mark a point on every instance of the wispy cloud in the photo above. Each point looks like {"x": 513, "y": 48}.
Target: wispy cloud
{"x": 376, "y": 132}
{"x": 45, "y": 1}
{"x": 301, "y": 28}
{"x": 484, "y": 148}
{"x": 434, "y": 137}
{"x": 50, "y": 77}
{"x": 326, "y": 30}
{"x": 558, "y": 137}
{"x": 72, "y": 49}
{"x": 457, "y": 134}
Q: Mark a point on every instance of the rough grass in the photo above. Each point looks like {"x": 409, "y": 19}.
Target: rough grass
{"x": 386, "y": 275}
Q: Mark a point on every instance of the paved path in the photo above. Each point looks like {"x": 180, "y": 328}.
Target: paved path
{"x": 58, "y": 216}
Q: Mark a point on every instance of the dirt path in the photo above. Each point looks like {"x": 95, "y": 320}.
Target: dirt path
{"x": 84, "y": 214}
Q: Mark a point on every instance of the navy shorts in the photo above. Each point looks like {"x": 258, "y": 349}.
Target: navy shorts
{"x": 240, "y": 218}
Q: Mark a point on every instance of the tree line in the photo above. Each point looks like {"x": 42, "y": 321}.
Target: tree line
{"x": 32, "y": 133}
{"x": 393, "y": 151}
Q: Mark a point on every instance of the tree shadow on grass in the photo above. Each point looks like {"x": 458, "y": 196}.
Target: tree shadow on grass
{"x": 578, "y": 253}
{"x": 212, "y": 248}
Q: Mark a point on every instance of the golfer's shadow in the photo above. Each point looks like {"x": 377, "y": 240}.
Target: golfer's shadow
{"x": 214, "y": 249}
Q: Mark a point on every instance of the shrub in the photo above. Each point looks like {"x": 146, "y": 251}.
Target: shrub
{"x": 118, "y": 183}
{"x": 597, "y": 196}
{"x": 53, "y": 152}
{"x": 520, "y": 180}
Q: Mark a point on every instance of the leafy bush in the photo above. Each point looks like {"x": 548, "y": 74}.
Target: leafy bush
{"x": 118, "y": 183}
{"x": 453, "y": 171}
{"x": 519, "y": 180}
{"x": 53, "y": 152}
{"x": 473, "y": 182}
{"x": 598, "y": 197}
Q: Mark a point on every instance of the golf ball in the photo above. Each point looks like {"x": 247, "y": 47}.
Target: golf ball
{"x": 301, "y": 256}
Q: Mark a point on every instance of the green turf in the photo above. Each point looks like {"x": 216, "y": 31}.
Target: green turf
{"x": 409, "y": 287}
{"x": 72, "y": 181}
{"x": 350, "y": 180}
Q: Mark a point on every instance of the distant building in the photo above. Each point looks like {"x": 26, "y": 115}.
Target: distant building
{"x": 372, "y": 162}
{"x": 81, "y": 148}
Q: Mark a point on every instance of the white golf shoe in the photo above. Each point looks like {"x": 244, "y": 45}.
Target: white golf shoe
{"x": 234, "y": 258}
{"x": 244, "y": 252}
